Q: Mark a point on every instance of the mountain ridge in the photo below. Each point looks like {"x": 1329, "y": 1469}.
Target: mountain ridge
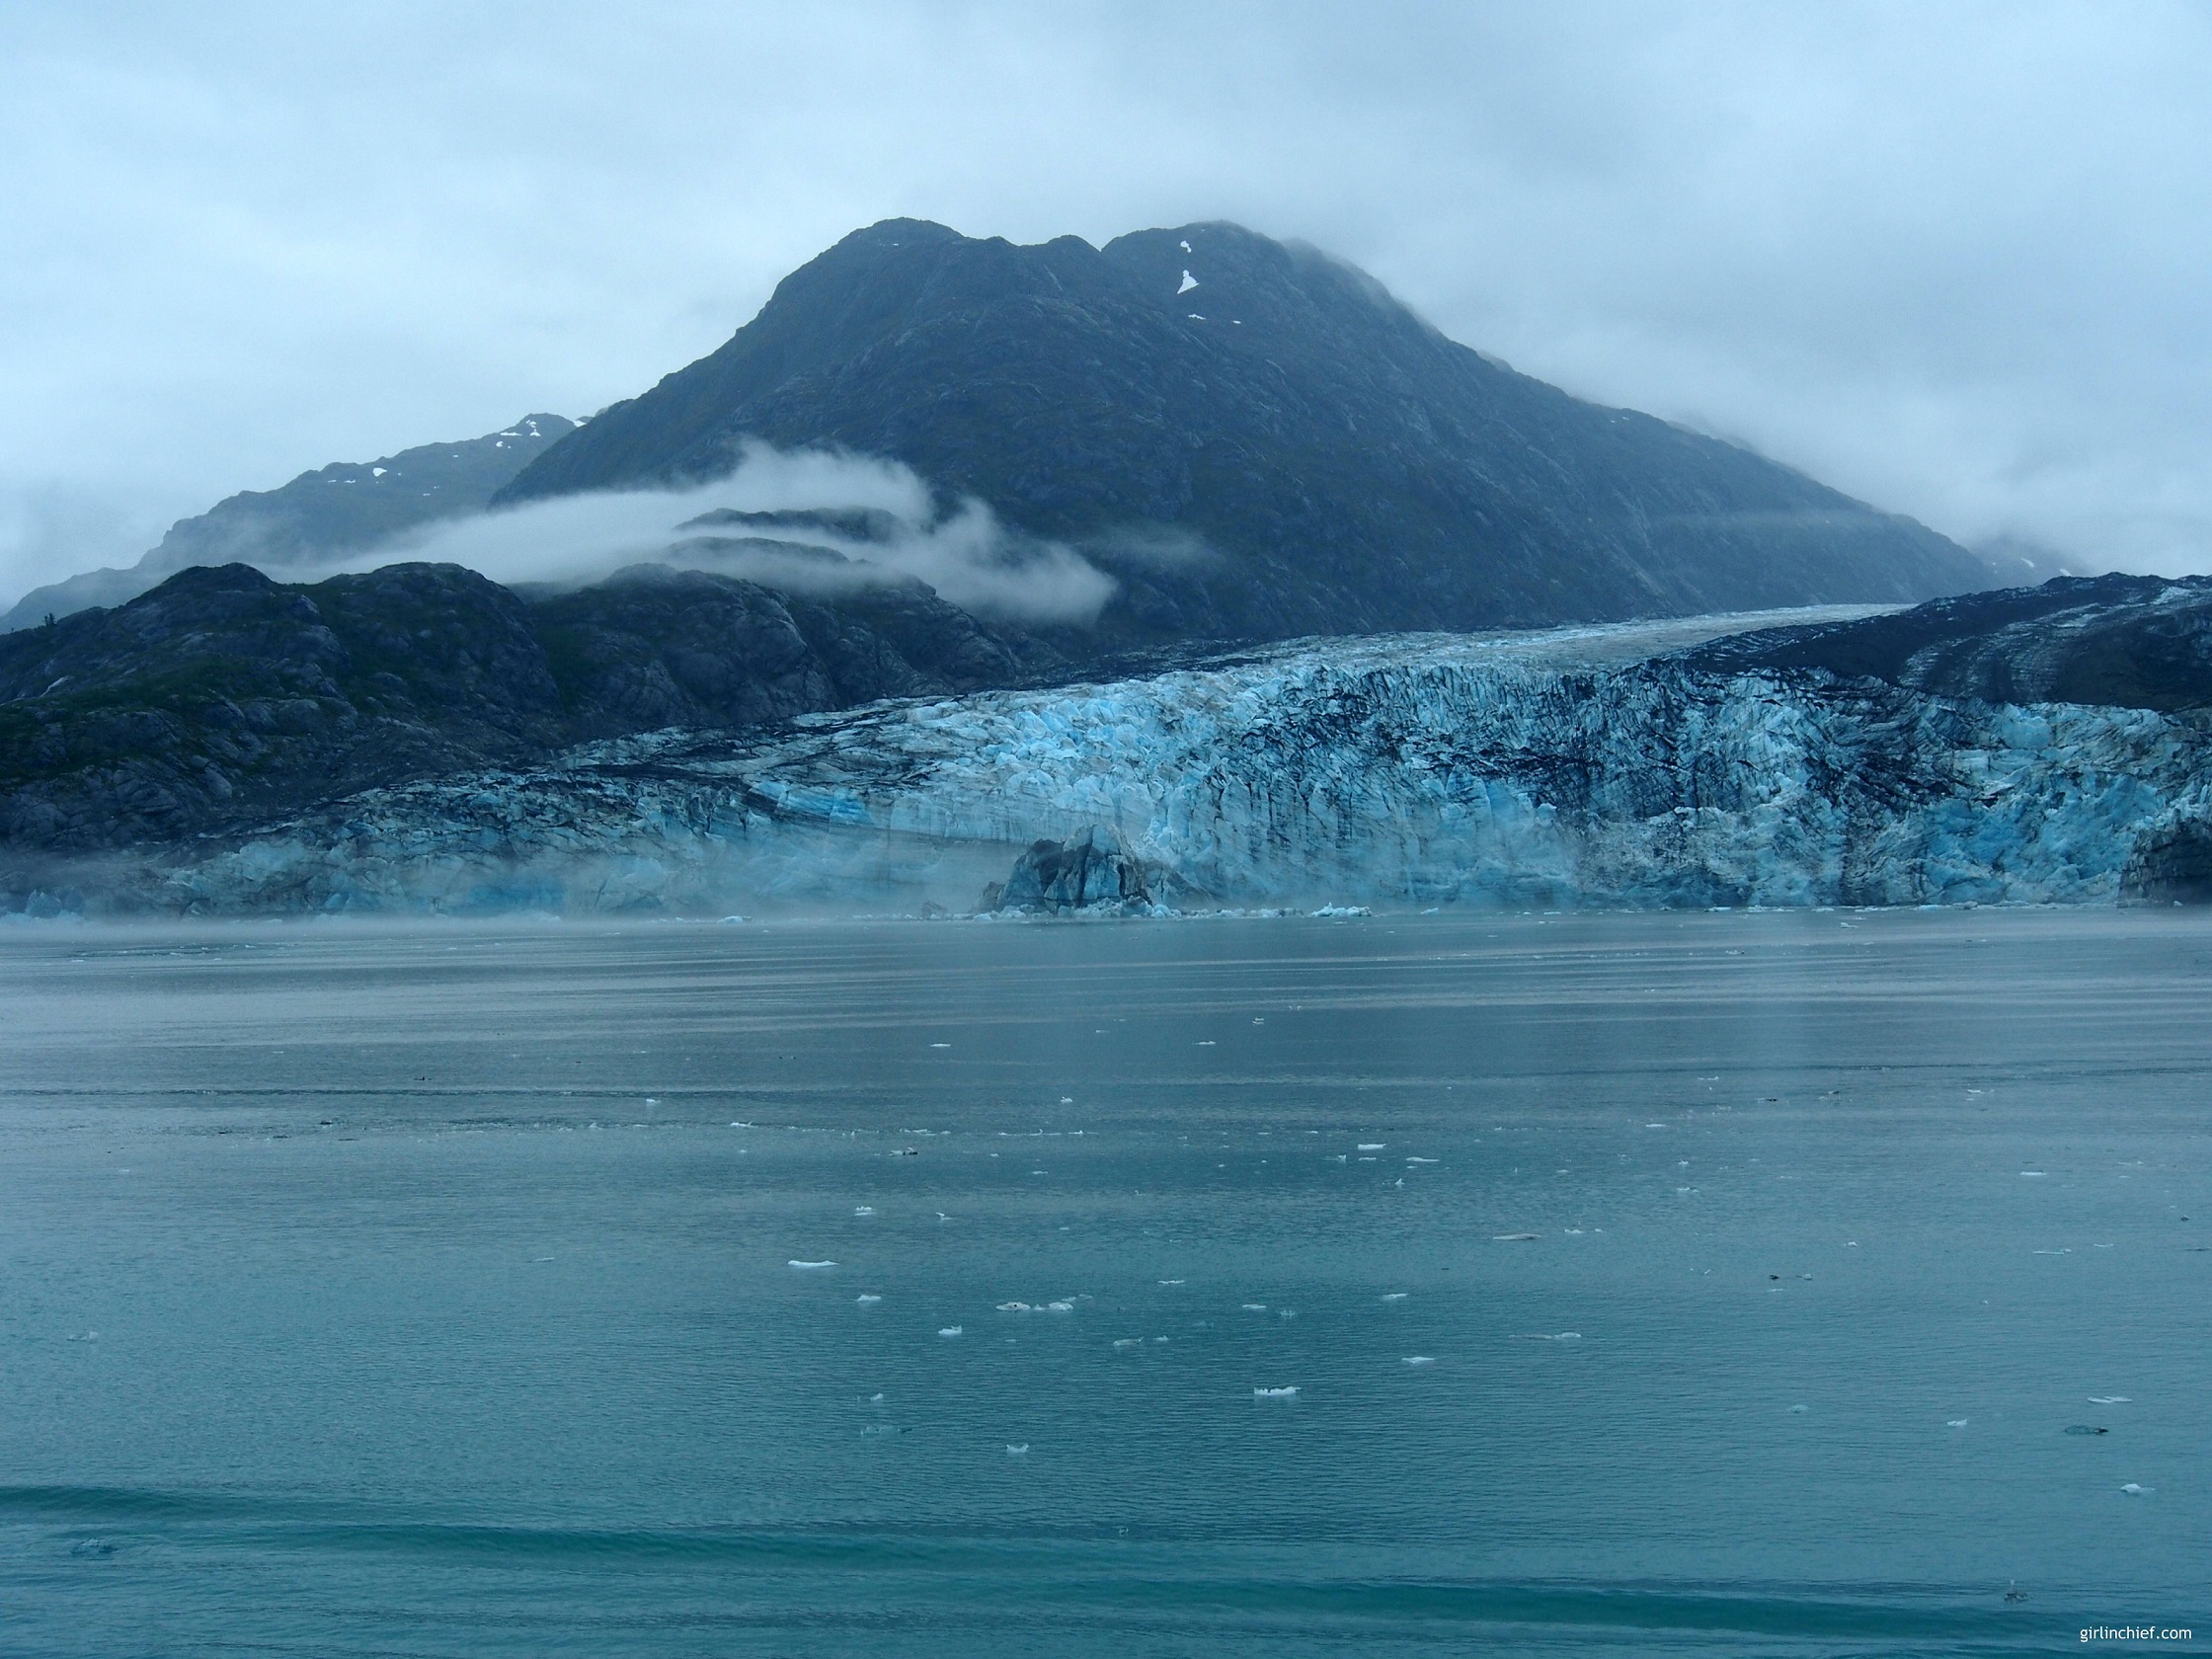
{"x": 339, "y": 508}
{"x": 1346, "y": 466}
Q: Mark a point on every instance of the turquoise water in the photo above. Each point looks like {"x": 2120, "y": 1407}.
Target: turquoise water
{"x": 429, "y": 1292}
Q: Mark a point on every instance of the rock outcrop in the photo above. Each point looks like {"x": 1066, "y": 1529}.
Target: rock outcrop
{"x": 1089, "y": 873}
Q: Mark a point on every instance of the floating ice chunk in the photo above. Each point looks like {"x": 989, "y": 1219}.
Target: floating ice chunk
{"x": 1015, "y": 1308}
{"x": 863, "y": 1208}
{"x": 2110, "y": 1399}
{"x": 1512, "y": 1237}
{"x": 1799, "y": 1411}
{"x": 1955, "y": 1423}
{"x": 1393, "y": 1296}
{"x": 875, "y": 1400}
{"x": 795, "y": 1262}
{"x": 376, "y": 472}
{"x": 1655, "y": 1126}
{"x": 1185, "y": 246}
{"x": 866, "y": 1300}
{"x": 1068, "y": 1100}
{"x": 1208, "y": 1043}
{"x": 1274, "y": 1393}
{"x": 732, "y": 921}
{"x": 1420, "y": 1359}
{"x": 1128, "y": 1342}
{"x": 1373, "y": 1145}
{"x": 1189, "y": 283}
{"x": 941, "y": 1045}
{"x": 1014, "y": 1451}
{"x": 1171, "y": 1281}
{"x": 2135, "y": 1491}
{"x": 1255, "y": 1306}
{"x": 950, "y": 1330}
{"x": 1420, "y": 1160}
{"x": 2031, "y": 1174}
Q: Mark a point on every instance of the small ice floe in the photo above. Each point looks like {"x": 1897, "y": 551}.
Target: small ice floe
{"x": 2135, "y": 1491}
{"x": 1128, "y": 1342}
{"x": 1189, "y": 282}
{"x": 1954, "y": 1423}
{"x": 1185, "y": 246}
{"x": 2032, "y": 1176}
{"x": 1068, "y": 1100}
{"x": 2110, "y": 1399}
{"x": 1655, "y": 1126}
{"x": 1799, "y": 1411}
{"x": 1208, "y": 1043}
{"x": 863, "y": 1208}
{"x": 1015, "y": 1308}
{"x": 2082, "y": 1429}
{"x": 941, "y": 1045}
{"x": 1255, "y": 1306}
{"x": 1420, "y": 1359}
{"x": 1550, "y": 1336}
{"x": 866, "y": 1300}
{"x": 732, "y": 921}
{"x": 1274, "y": 1393}
{"x": 1394, "y": 1295}
{"x": 950, "y": 1330}
{"x": 1513, "y": 1238}
{"x": 1171, "y": 1281}
{"x": 1014, "y": 1451}
{"x": 1420, "y": 1160}
{"x": 2058, "y": 1252}
{"x": 811, "y": 1266}
{"x": 1373, "y": 1145}
{"x": 1285, "y": 1313}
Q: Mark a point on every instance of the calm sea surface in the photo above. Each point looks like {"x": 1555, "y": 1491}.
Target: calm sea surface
{"x": 1683, "y": 1283}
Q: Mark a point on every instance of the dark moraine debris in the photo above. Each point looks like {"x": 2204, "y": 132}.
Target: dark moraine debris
{"x": 1091, "y": 872}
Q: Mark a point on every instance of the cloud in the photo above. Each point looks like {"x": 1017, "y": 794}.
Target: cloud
{"x": 1948, "y": 259}
{"x": 807, "y": 519}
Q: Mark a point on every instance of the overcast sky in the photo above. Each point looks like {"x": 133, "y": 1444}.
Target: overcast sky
{"x": 1951, "y": 259}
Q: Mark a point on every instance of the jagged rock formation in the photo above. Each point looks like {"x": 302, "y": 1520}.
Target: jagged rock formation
{"x": 1086, "y": 873}
{"x": 1584, "y": 767}
{"x": 316, "y": 518}
{"x": 1255, "y": 441}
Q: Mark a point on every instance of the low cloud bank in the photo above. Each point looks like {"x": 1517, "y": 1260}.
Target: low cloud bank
{"x": 809, "y": 520}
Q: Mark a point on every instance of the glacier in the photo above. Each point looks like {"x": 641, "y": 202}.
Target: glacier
{"x": 1575, "y": 766}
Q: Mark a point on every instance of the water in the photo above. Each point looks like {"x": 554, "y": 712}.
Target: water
{"x": 428, "y": 1292}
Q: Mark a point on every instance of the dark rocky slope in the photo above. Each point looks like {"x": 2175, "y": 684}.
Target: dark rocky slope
{"x": 2121, "y": 641}
{"x": 223, "y": 699}
{"x": 1256, "y": 440}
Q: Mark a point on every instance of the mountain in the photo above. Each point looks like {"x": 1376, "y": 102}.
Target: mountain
{"x": 1255, "y": 440}
{"x": 335, "y": 509}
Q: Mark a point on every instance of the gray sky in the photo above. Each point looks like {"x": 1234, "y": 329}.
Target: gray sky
{"x": 1952, "y": 258}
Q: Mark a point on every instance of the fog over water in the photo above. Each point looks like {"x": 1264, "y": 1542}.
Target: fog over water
{"x": 1950, "y": 259}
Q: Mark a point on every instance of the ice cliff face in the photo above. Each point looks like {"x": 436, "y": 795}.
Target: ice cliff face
{"x": 1571, "y": 767}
